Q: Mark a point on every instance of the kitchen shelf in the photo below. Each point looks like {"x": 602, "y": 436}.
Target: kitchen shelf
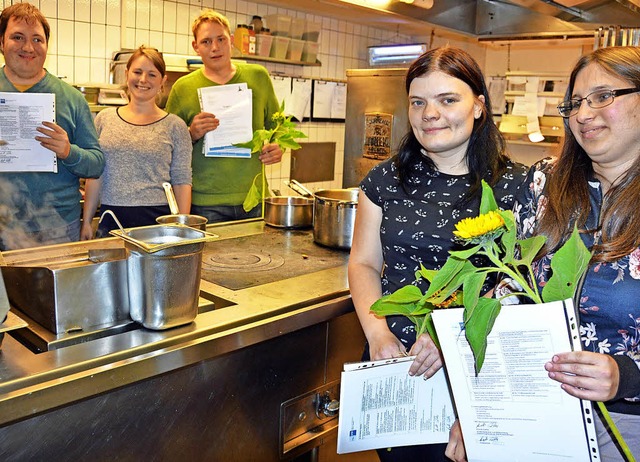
{"x": 268, "y": 59}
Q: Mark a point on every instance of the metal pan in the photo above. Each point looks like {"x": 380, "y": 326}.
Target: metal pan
{"x": 288, "y": 212}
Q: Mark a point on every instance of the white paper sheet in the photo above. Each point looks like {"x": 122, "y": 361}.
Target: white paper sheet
{"x": 282, "y": 89}
{"x": 512, "y": 411}
{"x": 299, "y": 103}
{"x": 339, "y": 102}
{"x": 322, "y": 99}
{"x": 382, "y": 406}
{"x": 232, "y": 105}
{"x": 20, "y": 114}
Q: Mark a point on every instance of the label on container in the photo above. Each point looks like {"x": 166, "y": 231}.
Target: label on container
{"x": 377, "y": 135}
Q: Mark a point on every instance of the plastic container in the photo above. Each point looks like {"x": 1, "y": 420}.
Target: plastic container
{"x": 280, "y": 24}
{"x": 298, "y": 26}
{"x": 294, "y": 53}
{"x": 279, "y": 47}
{"x": 263, "y": 44}
{"x": 312, "y": 31}
{"x": 310, "y": 52}
{"x": 252, "y": 41}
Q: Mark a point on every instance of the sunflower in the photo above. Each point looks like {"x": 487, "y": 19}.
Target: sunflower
{"x": 480, "y": 229}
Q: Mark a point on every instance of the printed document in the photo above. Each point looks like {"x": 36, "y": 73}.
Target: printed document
{"x": 381, "y": 406}
{"x": 20, "y": 114}
{"x": 512, "y": 410}
{"x": 232, "y": 106}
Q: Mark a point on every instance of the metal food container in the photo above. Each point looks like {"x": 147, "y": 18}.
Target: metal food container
{"x": 194, "y": 221}
{"x": 288, "y": 212}
{"x": 163, "y": 271}
{"x": 62, "y": 294}
{"x": 334, "y": 216}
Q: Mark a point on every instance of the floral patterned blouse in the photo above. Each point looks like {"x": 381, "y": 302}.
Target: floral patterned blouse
{"x": 610, "y": 299}
{"x": 417, "y": 228}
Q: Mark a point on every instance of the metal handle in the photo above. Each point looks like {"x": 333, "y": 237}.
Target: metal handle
{"x": 297, "y": 187}
{"x": 325, "y": 406}
{"x": 171, "y": 199}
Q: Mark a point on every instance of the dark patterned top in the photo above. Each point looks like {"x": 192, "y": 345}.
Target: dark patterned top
{"x": 610, "y": 297}
{"x": 417, "y": 227}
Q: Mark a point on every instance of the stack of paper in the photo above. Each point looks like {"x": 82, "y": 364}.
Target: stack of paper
{"x": 232, "y": 106}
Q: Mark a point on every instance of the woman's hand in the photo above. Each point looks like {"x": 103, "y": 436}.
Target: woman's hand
{"x": 385, "y": 345}
{"x": 455, "y": 448}
{"x": 585, "y": 375}
{"x": 428, "y": 359}
{"x": 201, "y": 124}
{"x": 86, "y": 232}
{"x": 271, "y": 154}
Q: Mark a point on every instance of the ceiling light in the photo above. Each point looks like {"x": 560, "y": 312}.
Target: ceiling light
{"x": 387, "y": 55}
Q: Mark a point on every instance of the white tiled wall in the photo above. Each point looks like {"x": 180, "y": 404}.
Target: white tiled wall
{"x": 85, "y": 33}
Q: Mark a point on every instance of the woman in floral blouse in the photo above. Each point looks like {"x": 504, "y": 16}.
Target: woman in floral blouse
{"x": 595, "y": 183}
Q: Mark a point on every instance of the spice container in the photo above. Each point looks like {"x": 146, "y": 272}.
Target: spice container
{"x": 241, "y": 38}
{"x": 256, "y": 23}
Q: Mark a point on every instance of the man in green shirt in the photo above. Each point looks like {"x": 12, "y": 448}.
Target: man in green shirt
{"x": 220, "y": 184}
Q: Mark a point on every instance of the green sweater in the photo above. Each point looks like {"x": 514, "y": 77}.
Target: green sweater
{"x": 222, "y": 180}
{"x": 42, "y": 200}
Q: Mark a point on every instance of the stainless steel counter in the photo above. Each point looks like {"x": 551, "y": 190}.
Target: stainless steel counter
{"x": 37, "y": 384}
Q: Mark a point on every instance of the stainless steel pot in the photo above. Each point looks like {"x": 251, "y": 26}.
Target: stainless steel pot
{"x": 288, "y": 212}
{"x": 193, "y": 221}
{"x": 334, "y": 215}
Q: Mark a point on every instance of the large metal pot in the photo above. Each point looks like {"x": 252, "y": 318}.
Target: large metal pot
{"x": 334, "y": 215}
{"x": 193, "y": 221}
{"x": 288, "y": 212}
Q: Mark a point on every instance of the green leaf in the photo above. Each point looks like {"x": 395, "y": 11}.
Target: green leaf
{"x": 254, "y": 196}
{"x": 445, "y": 275}
{"x": 404, "y": 294}
{"x": 472, "y": 286}
{"x": 464, "y": 254}
{"x": 427, "y": 326}
{"x": 479, "y": 325}
{"x": 488, "y": 201}
{"x": 425, "y": 273}
{"x": 529, "y": 248}
{"x": 441, "y": 290}
{"x": 568, "y": 265}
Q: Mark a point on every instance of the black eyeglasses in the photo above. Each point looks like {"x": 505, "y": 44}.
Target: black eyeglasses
{"x": 596, "y": 100}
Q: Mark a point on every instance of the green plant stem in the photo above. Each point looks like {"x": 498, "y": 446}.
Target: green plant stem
{"x": 616, "y": 433}
{"x": 532, "y": 293}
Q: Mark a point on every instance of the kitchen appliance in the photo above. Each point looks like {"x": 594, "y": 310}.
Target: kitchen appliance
{"x": 56, "y": 292}
{"x": 288, "y": 212}
{"x": 112, "y": 96}
{"x": 376, "y": 120}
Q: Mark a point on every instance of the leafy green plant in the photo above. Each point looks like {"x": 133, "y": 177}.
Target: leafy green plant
{"x": 459, "y": 282}
{"x": 284, "y": 133}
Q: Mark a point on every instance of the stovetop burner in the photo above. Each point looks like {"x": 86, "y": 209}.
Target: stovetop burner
{"x": 270, "y": 256}
{"x": 245, "y": 262}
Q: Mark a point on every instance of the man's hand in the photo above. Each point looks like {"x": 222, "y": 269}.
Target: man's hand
{"x": 201, "y": 124}
{"x": 55, "y": 139}
{"x": 271, "y": 154}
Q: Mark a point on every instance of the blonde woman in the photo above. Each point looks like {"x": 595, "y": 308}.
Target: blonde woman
{"x": 144, "y": 146}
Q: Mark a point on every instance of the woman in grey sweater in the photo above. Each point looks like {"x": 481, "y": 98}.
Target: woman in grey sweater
{"x": 144, "y": 146}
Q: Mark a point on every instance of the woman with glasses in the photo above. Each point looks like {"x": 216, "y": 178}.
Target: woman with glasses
{"x": 595, "y": 184}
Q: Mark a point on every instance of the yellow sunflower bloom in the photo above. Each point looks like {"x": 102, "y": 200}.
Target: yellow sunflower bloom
{"x": 474, "y": 228}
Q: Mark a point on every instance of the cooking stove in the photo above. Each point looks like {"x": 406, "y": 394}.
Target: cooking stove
{"x": 272, "y": 255}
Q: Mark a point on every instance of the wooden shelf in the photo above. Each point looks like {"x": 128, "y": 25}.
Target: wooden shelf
{"x": 268, "y": 59}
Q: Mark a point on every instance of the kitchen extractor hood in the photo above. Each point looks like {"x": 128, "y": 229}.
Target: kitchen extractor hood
{"x": 484, "y": 19}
